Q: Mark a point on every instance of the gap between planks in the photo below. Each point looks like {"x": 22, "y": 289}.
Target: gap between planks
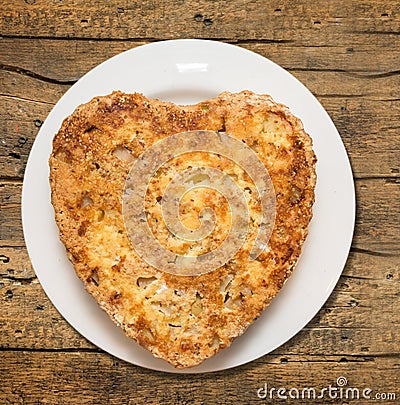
{"x": 359, "y": 74}
{"x": 289, "y": 357}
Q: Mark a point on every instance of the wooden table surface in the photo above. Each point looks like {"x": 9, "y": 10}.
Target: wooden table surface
{"x": 348, "y": 54}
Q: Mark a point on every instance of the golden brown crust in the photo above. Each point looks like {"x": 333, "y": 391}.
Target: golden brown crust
{"x": 181, "y": 319}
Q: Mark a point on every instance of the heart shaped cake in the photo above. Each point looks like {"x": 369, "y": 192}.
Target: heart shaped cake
{"x": 128, "y": 174}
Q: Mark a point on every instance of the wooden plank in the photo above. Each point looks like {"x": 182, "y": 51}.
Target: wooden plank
{"x": 41, "y": 327}
{"x": 341, "y": 56}
{"x": 19, "y": 84}
{"x": 378, "y": 201}
{"x": 57, "y": 378}
{"x": 11, "y": 233}
{"x": 362, "y": 316}
{"x": 368, "y": 125}
{"x": 365, "y": 107}
{"x": 343, "y": 73}
{"x": 67, "y": 60}
{"x": 15, "y": 264}
{"x": 377, "y": 225}
{"x": 303, "y": 22}
{"x": 369, "y": 130}
{"x": 19, "y": 124}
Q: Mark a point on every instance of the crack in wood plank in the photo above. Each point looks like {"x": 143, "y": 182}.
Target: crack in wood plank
{"x": 285, "y": 356}
{"x": 20, "y": 280}
{"x": 360, "y": 278}
{"x": 52, "y": 350}
{"x": 150, "y": 39}
{"x": 337, "y": 95}
{"x": 25, "y": 99}
{"x": 341, "y": 328}
{"x": 373, "y": 252}
{"x": 77, "y": 38}
{"x": 9, "y": 180}
{"x": 27, "y": 72}
{"x": 374, "y": 75}
{"x": 359, "y": 74}
{"x": 361, "y": 32}
{"x": 394, "y": 178}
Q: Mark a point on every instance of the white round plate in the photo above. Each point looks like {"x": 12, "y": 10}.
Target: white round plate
{"x": 184, "y": 72}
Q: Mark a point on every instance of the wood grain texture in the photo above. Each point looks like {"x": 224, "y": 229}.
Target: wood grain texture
{"x": 32, "y": 86}
{"x": 352, "y": 320}
{"x": 278, "y": 21}
{"x": 348, "y": 55}
{"x": 64, "y": 376}
{"x": 71, "y": 58}
{"x": 372, "y": 144}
